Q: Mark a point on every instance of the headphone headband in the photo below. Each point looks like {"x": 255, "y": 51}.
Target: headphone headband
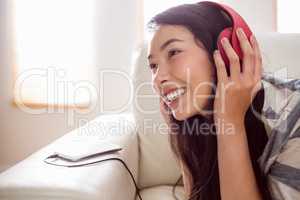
{"x": 230, "y": 32}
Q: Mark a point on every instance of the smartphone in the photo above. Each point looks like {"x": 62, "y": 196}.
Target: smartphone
{"x": 83, "y": 150}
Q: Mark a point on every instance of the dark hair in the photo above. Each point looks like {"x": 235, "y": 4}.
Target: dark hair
{"x": 198, "y": 151}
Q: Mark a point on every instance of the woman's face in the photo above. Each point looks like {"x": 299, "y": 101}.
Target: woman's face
{"x": 176, "y": 61}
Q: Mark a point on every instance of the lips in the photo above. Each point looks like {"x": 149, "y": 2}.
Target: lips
{"x": 172, "y": 97}
{"x": 169, "y": 90}
{"x": 172, "y": 101}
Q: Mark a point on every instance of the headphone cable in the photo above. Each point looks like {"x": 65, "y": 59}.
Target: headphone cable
{"x": 79, "y": 165}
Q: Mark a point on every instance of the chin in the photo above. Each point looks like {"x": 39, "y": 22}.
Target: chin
{"x": 180, "y": 116}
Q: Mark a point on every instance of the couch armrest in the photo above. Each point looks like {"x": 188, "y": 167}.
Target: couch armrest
{"x": 34, "y": 179}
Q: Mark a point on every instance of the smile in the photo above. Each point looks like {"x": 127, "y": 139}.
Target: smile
{"x": 175, "y": 94}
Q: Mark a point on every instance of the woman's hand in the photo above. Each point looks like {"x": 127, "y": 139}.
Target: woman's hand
{"x": 234, "y": 94}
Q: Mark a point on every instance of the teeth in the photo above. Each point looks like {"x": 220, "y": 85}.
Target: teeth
{"x": 173, "y": 95}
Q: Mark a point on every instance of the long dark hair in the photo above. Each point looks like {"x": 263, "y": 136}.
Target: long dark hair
{"x": 198, "y": 151}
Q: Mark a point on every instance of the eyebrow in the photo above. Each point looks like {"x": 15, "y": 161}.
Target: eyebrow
{"x": 164, "y": 45}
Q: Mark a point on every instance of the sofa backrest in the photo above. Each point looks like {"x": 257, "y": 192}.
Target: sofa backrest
{"x": 280, "y": 53}
{"x": 157, "y": 165}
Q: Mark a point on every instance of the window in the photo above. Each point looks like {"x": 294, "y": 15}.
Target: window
{"x": 288, "y": 16}
{"x": 54, "y": 42}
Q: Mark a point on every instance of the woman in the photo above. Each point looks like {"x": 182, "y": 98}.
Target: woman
{"x": 216, "y": 120}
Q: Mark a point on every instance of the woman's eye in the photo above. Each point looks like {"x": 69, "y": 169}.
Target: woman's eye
{"x": 173, "y": 52}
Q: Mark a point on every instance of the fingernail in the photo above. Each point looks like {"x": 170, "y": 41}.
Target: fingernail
{"x": 239, "y": 31}
{"x": 224, "y": 40}
{"x": 252, "y": 39}
{"x": 216, "y": 52}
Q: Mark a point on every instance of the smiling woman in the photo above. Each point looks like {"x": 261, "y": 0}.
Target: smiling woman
{"x": 185, "y": 75}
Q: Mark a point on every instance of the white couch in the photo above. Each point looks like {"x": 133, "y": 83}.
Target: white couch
{"x": 146, "y": 150}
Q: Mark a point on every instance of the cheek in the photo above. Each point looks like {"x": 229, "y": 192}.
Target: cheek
{"x": 200, "y": 81}
{"x": 178, "y": 66}
{"x": 193, "y": 63}
{"x": 199, "y": 75}
{"x": 195, "y": 70}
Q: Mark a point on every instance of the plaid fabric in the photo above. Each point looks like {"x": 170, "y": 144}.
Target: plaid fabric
{"x": 280, "y": 160}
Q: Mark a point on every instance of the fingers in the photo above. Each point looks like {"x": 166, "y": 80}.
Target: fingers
{"x": 234, "y": 60}
{"x": 220, "y": 65}
{"x": 248, "y": 54}
{"x": 252, "y": 60}
{"x": 258, "y": 59}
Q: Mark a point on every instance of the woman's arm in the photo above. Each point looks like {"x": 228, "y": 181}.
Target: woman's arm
{"x": 233, "y": 97}
{"x": 237, "y": 179}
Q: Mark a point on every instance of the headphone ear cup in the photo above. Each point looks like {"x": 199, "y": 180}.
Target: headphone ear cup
{"x": 230, "y": 33}
{"x": 227, "y": 32}
{"x": 234, "y": 41}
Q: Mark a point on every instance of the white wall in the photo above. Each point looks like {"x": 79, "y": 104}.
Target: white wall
{"x": 260, "y": 15}
{"x": 22, "y": 133}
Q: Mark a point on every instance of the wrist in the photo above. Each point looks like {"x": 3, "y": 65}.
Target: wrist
{"x": 235, "y": 119}
{"x": 229, "y": 126}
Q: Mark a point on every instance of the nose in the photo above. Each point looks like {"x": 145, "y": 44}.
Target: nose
{"x": 162, "y": 75}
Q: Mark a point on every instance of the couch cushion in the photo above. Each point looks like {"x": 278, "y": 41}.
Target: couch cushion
{"x": 162, "y": 192}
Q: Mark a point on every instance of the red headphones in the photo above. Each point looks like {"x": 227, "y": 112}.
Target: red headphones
{"x": 230, "y": 32}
